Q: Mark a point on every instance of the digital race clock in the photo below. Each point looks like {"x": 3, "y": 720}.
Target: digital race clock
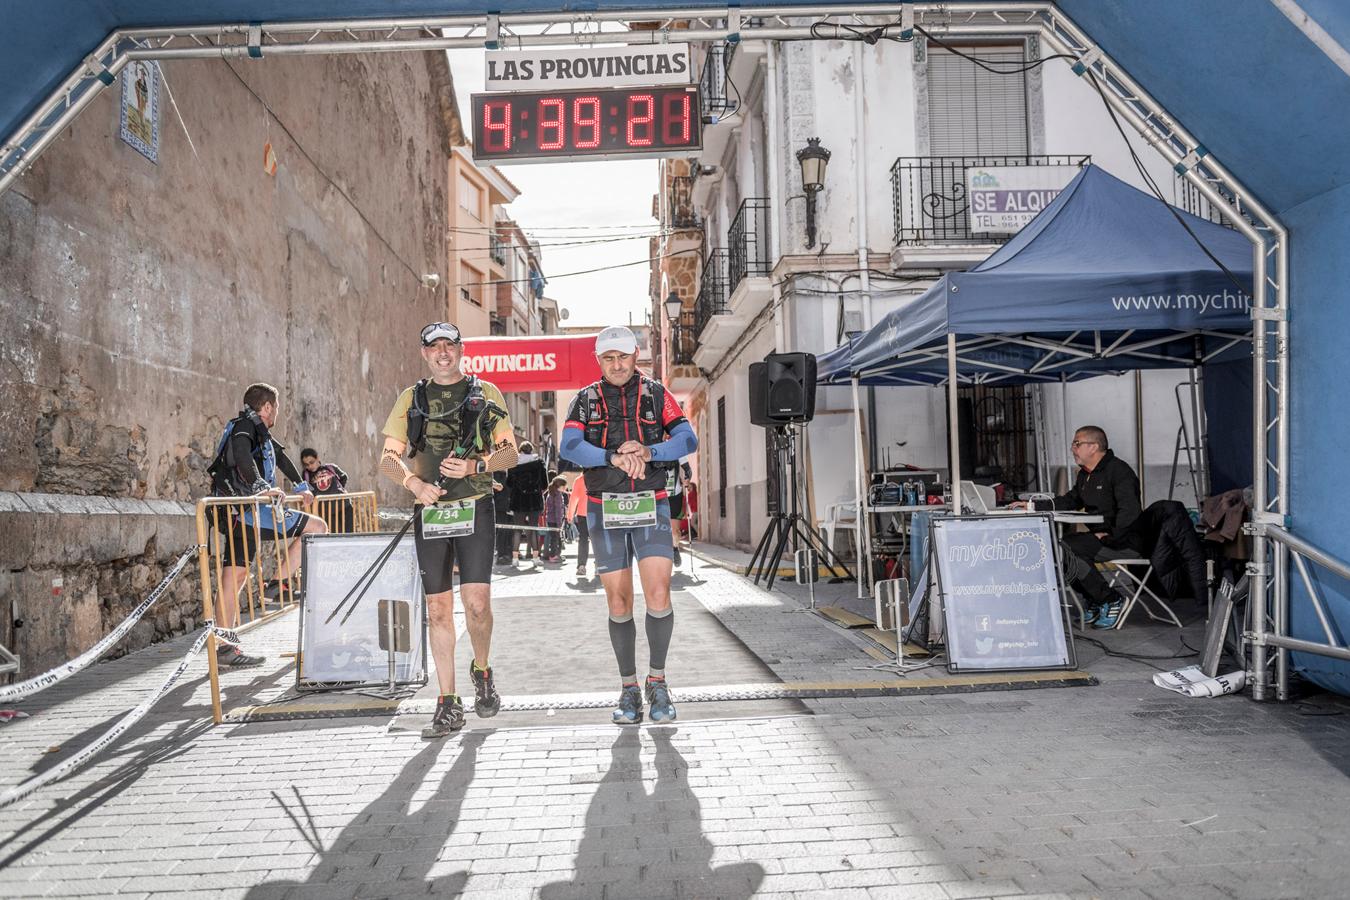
{"x": 547, "y": 125}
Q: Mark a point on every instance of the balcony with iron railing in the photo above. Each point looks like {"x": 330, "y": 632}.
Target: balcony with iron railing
{"x": 497, "y": 249}
{"x": 748, "y": 242}
{"x": 712, "y": 290}
{"x": 929, "y": 196}
{"x": 684, "y": 340}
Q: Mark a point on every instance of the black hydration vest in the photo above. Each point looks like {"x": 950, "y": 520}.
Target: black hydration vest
{"x": 603, "y": 426}
{"x": 225, "y": 480}
{"x": 470, "y": 414}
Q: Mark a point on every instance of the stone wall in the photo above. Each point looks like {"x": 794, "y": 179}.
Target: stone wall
{"x": 138, "y": 300}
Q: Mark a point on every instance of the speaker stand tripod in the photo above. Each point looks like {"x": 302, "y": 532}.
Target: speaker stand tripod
{"x": 788, "y": 525}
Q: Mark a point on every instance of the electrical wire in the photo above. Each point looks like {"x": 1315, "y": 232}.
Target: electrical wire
{"x": 1110, "y": 110}
{"x": 637, "y": 262}
{"x": 1138, "y": 657}
{"x": 1153, "y": 187}
{"x": 1019, "y": 70}
{"x": 564, "y": 244}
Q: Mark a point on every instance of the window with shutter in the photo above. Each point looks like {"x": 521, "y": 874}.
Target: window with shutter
{"x": 972, "y": 113}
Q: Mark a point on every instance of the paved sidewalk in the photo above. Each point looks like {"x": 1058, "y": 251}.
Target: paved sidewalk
{"x": 1120, "y": 790}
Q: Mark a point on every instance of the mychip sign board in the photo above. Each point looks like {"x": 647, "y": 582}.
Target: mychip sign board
{"x": 1002, "y": 199}
{"x": 998, "y": 580}
{"x": 354, "y": 653}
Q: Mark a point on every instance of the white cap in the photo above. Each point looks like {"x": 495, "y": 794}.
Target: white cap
{"x": 616, "y": 337}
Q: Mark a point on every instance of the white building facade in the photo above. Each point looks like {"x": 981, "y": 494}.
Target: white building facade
{"x": 902, "y": 122}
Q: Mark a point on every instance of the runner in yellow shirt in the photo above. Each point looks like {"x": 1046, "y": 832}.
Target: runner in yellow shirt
{"x": 456, "y": 433}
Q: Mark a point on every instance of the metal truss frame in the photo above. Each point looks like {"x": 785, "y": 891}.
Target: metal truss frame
{"x": 1269, "y": 566}
{"x": 1056, "y": 353}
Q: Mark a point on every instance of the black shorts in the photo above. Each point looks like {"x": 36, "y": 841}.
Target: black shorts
{"x": 436, "y": 557}
{"x": 242, "y": 542}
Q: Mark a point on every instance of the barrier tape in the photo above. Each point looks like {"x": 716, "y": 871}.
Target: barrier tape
{"x": 27, "y": 688}
{"x": 20, "y": 791}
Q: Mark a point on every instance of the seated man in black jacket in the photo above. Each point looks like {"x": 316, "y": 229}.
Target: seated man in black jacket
{"x": 1107, "y": 486}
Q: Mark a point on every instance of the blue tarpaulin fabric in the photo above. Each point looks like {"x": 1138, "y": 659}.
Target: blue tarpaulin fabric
{"x": 1103, "y": 260}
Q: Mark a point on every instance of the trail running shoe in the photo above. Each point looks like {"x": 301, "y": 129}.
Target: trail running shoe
{"x": 629, "y": 710}
{"x": 448, "y": 718}
{"x": 486, "y": 701}
{"x": 1109, "y": 615}
{"x": 658, "y": 698}
{"x": 232, "y": 656}
{"x": 676, "y": 560}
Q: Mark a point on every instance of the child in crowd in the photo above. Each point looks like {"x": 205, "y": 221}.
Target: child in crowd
{"x": 555, "y": 511}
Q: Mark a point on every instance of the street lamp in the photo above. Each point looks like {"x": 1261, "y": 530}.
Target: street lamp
{"x": 813, "y": 159}
{"x": 674, "y": 306}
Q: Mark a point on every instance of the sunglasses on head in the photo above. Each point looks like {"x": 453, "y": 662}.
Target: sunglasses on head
{"x": 438, "y": 330}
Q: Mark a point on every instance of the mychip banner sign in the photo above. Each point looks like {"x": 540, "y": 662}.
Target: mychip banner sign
{"x": 349, "y": 654}
{"x": 998, "y": 580}
{"x": 647, "y": 65}
{"x": 1005, "y": 198}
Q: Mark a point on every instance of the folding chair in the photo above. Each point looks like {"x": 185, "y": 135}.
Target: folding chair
{"x": 1140, "y": 592}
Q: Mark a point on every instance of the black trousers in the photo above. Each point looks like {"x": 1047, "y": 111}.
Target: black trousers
{"x": 583, "y": 542}
{"x": 504, "y": 532}
{"x": 1080, "y": 553}
{"x": 532, "y": 538}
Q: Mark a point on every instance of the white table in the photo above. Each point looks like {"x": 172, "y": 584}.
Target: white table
{"x": 1061, "y": 517}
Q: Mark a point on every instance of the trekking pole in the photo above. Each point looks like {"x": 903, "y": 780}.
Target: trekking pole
{"x": 367, "y": 578}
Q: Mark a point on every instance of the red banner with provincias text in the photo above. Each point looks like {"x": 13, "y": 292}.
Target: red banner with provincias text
{"x": 533, "y": 363}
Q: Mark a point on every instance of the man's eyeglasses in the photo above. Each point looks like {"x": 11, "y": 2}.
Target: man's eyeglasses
{"x": 1081, "y": 443}
{"x": 437, "y": 330}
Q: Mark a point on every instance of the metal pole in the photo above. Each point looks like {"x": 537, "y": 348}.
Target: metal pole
{"x": 1198, "y": 419}
{"x": 208, "y": 609}
{"x": 953, "y": 427}
{"x": 1139, "y": 432}
{"x": 1282, "y": 457}
{"x": 1258, "y": 677}
{"x": 860, "y": 169}
{"x": 861, "y": 525}
{"x": 1067, "y": 434}
{"x": 774, "y": 177}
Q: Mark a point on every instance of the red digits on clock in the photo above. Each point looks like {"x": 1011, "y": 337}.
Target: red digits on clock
{"x": 586, "y": 123}
{"x": 675, "y": 129}
{"x": 640, "y": 127}
{"x": 551, "y": 120}
{"x": 497, "y": 130}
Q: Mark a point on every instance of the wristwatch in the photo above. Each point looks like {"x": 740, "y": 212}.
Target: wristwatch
{"x": 480, "y": 467}
{"x": 609, "y": 457}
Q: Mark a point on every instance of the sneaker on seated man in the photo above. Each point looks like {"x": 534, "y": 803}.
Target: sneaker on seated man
{"x": 1107, "y": 486}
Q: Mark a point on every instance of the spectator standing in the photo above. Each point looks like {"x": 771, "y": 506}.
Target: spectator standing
{"x": 526, "y": 484}
{"x": 555, "y": 511}
{"x": 576, "y": 512}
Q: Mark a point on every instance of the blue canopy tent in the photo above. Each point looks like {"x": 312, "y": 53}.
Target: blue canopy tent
{"x": 1103, "y": 280}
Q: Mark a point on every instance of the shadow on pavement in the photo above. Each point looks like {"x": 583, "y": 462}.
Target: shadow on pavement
{"x": 390, "y": 843}
{"x": 189, "y": 722}
{"x": 638, "y": 844}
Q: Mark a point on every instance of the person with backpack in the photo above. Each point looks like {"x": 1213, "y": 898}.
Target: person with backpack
{"x": 246, "y": 464}
{"x": 457, "y": 434}
{"x": 627, "y": 432}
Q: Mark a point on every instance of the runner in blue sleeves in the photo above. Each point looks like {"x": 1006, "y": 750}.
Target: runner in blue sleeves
{"x": 628, "y": 433}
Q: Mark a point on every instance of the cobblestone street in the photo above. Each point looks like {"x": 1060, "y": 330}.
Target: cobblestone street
{"x": 1117, "y": 790}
